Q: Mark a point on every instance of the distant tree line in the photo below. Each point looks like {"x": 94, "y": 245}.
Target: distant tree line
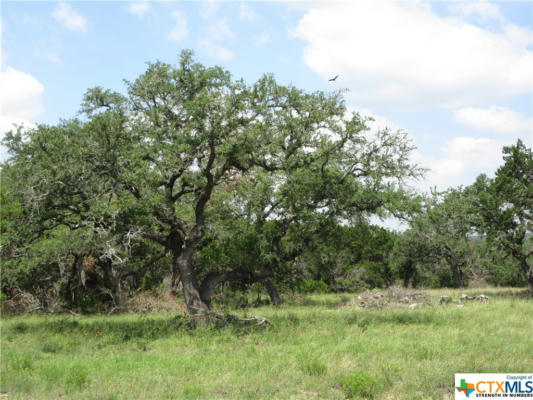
{"x": 196, "y": 182}
{"x": 480, "y": 232}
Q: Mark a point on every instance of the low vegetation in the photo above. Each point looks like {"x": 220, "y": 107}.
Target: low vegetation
{"x": 319, "y": 346}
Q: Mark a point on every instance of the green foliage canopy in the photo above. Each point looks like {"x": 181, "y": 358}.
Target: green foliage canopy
{"x": 187, "y": 152}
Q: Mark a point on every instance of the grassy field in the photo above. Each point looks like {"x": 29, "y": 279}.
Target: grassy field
{"x": 319, "y": 348}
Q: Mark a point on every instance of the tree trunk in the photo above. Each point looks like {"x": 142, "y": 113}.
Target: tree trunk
{"x": 457, "y": 275}
{"x": 66, "y": 280}
{"x": 74, "y": 289}
{"x": 112, "y": 279}
{"x": 529, "y": 273}
{"x": 456, "y": 269}
{"x": 213, "y": 279}
{"x": 115, "y": 285}
{"x": 196, "y": 307}
{"x": 407, "y": 272}
{"x": 272, "y": 291}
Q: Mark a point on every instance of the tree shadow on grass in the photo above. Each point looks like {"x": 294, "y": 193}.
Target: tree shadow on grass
{"x": 123, "y": 330}
{"x": 114, "y": 330}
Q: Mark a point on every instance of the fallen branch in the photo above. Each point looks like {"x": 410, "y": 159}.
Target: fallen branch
{"x": 230, "y": 318}
{"x": 259, "y": 320}
{"x": 115, "y": 309}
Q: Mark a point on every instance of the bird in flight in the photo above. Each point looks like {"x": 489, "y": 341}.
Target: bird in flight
{"x": 333, "y": 79}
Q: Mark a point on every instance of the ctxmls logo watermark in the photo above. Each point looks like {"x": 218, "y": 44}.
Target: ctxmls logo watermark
{"x": 494, "y": 386}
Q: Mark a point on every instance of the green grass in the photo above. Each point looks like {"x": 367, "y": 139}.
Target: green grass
{"x": 314, "y": 350}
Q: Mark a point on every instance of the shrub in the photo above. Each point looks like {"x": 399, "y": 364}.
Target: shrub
{"x": 314, "y": 368}
{"x": 314, "y": 287}
{"x": 50, "y": 347}
{"x": 374, "y": 274}
{"x": 142, "y": 344}
{"x": 22, "y": 362}
{"x": 360, "y": 385}
{"x": 76, "y": 378}
{"x": 350, "y": 284}
{"x": 147, "y": 282}
{"x": 192, "y": 392}
{"x": 20, "y": 327}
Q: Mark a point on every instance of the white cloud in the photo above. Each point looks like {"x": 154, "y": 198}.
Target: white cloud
{"x": 215, "y": 50}
{"x": 481, "y": 9}
{"x": 180, "y": 30}
{"x": 246, "y": 13}
{"x": 20, "y": 101}
{"x": 8, "y": 123}
{"x": 209, "y": 8}
{"x": 69, "y": 18}
{"x": 464, "y": 159}
{"x": 402, "y": 54}
{"x": 139, "y": 9}
{"x": 217, "y": 34}
{"x": 377, "y": 122}
{"x": 484, "y": 11}
{"x": 21, "y": 94}
{"x": 521, "y": 37}
{"x": 219, "y": 30}
{"x": 495, "y": 119}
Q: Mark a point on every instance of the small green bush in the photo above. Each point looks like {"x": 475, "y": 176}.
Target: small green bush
{"x": 361, "y": 385}
{"x": 192, "y": 392}
{"x": 20, "y": 327}
{"x": 142, "y": 344}
{"x": 50, "y": 347}
{"x": 77, "y": 378}
{"x": 315, "y": 368}
{"x": 350, "y": 284}
{"x": 314, "y": 287}
{"x": 373, "y": 273}
{"x": 147, "y": 282}
{"x": 22, "y": 363}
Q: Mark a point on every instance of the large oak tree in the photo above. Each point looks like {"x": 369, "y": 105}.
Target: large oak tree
{"x": 154, "y": 166}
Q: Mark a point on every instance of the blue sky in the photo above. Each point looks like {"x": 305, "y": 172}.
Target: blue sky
{"x": 458, "y": 76}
